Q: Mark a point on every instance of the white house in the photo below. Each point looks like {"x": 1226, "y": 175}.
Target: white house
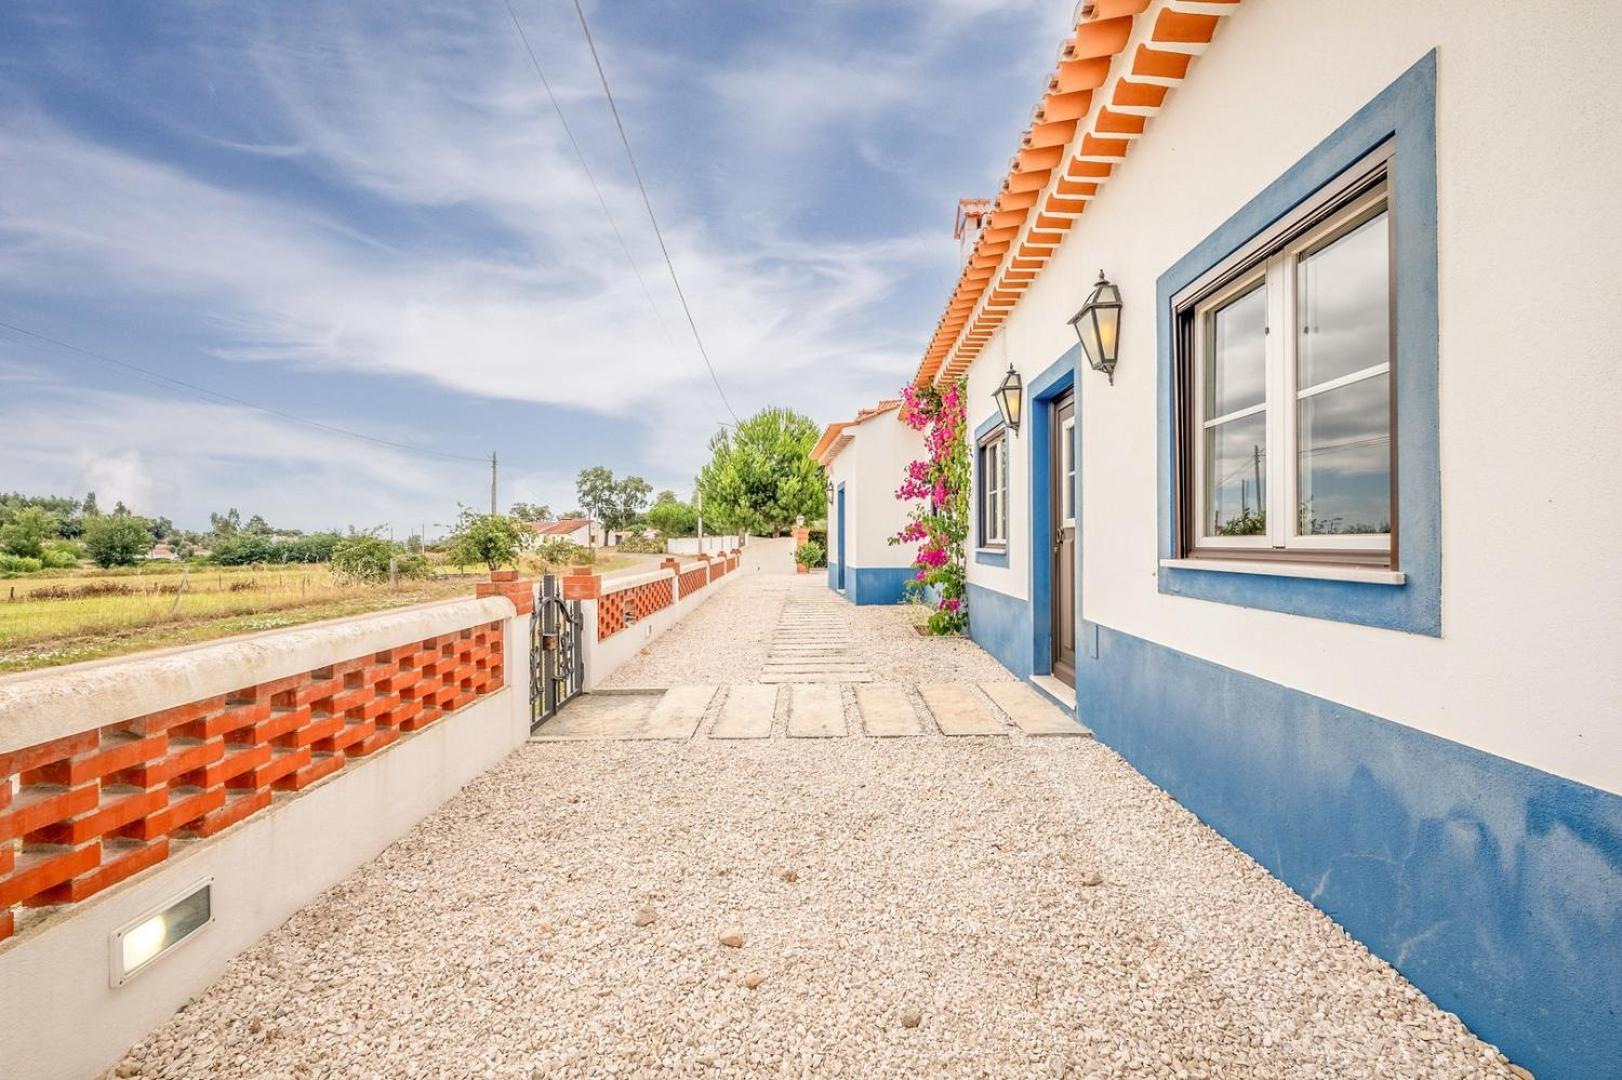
{"x": 865, "y": 460}
{"x": 1330, "y": 554}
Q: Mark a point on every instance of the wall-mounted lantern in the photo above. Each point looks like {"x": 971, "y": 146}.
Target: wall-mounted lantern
{"x": 828, "y": 488}
{"x": 1009, "y": 395}
{"x": 1098, "y": 325}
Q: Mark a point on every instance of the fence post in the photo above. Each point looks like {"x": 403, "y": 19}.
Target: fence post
{"x": 674, "y": 566}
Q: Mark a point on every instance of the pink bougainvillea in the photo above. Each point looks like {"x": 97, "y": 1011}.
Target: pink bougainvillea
{"x": 939, "y": 485}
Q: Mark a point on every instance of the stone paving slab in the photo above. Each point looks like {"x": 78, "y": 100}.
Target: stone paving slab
{"x": 747, "y": 712}
{"x": 887, "y": 712}
{"x": 815, "y": 712}
{"x": 600, "y": 716}
{"x": 1034, "y": 713}
{"x": 959, "y": 710}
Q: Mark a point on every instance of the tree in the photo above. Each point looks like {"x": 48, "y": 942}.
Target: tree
{"x": 90, "y": 509}
{"x": 25, "y": 534}
{"x": 670, "y": 517}
{"x": 760, "y": 476}
{"x": 226, "y": 524}
{"x": 491, "y": 539}
{"x": 524, "y": 511}
{"x": 615, "y": 503}
{"x": 117, "y": 539}
{"x": 258, "y": 526}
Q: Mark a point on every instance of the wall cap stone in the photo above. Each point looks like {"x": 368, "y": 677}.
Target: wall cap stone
{"x": 38, "y": 706}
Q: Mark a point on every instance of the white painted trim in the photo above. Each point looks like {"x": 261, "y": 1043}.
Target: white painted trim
{"x": 1268, "y": 568}
{"x": 39, "y": 706}
{"x": 612, "y": 585}
{"x": 1060, "y": 693}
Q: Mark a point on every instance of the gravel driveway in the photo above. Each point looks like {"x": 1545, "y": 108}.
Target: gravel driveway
{"x": 930, "y": 906}
{"x": 727, "y": 638}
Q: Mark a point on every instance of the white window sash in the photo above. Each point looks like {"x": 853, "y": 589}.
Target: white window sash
{"x": 1277, "y": 275}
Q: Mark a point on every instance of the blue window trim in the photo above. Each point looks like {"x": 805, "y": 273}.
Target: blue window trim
{"x": 983, "y": 556}
{"x": 1054, "y": 380}
{"x": 1406, "y": 111}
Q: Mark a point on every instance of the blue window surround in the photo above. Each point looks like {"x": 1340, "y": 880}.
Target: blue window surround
{"x": 1054, "y": 380}
{"x": 984, "y": 556}
{"x": 1406, "y": 110}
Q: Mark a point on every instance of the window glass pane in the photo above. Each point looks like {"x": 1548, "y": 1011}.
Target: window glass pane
{"x": 1344, "y": 475}
{"x": 1236, "y": 477}
{"x": 1344, "y": 299}
{"x": 1236, "y": 347}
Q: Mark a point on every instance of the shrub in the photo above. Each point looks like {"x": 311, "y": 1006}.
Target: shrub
{"x": 491, "y": 539}
{"x": 560, "y": 552}
{"x": 25, "y": 534}
{"x": 364, "y": 559}
{"x": 13, "y": 565}
{"x": 117, "y": 539}
{"x": 641, "y": 545}
{"x": 811, "y": 553}
{"x": 61, "y": 554}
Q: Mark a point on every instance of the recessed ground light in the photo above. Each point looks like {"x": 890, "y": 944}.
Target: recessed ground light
{"x": 132, "y": 948}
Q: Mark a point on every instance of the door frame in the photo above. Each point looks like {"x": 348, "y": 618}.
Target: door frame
{"x": 1055, "y": 506}
{"x": 1044, "y": 388}
{"x": 839, "y": 514}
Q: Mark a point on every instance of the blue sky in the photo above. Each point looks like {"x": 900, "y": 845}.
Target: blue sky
{"x": 370, "y": 216}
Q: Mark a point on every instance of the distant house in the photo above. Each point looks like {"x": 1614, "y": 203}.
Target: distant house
{"x": 575, "y": 530}
{"x": 865, "y": 459}
{"x": 162, "y": 553}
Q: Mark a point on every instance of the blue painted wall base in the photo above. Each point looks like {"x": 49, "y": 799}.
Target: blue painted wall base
{"x": 1496, "y": 888}
{"x": 1001, "y": 625}
{"x": 872, "y": 584}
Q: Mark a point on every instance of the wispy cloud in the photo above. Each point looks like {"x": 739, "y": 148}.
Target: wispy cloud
{"x": 395, "y": 199}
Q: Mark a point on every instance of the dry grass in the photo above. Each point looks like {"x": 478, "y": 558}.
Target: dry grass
{"x": 81, "y": 615}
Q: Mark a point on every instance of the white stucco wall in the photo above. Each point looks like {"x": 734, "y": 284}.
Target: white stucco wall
{"x": 871, "y": 466}
{"x": 61, "y": 1020}
{"x": 1529, "y": 101}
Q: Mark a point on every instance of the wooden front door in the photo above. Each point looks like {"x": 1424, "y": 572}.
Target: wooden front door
{"x": 1063, "y": 496}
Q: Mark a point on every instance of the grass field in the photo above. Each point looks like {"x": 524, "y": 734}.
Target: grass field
{"x": 81, "y": 615}
{"x": 74, "y": 615}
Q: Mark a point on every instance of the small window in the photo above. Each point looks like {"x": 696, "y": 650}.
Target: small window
{"x": 1067, "y": 458}
{"x": 993, "y": 490}
{"x": 1285, "y": 363}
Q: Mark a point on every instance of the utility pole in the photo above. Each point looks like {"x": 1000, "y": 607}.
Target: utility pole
{"x": 492, "y": 482}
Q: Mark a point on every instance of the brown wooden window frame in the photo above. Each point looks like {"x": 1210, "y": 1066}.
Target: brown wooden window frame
{"x": 1371, "y": 173}
{"x": 999, "y": 438}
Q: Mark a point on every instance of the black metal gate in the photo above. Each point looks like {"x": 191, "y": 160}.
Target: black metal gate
{"x": 557, "y": 666}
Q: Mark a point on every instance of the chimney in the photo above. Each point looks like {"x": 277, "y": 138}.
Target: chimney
{"x": 971, "y": 219}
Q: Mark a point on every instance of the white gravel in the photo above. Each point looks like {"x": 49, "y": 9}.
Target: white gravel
{"x": 844, "y": 907}
{"x": 946, "y": 876}
{"x": 725, "y": 640}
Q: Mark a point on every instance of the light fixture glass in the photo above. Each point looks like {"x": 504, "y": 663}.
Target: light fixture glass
{"x": 1098, "y": 325}
{"x": 142, "y": 941}
{"x": 1010, "y": 398}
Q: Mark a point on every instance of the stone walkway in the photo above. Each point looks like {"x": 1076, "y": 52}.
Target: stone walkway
{"x": 747, "y": 900}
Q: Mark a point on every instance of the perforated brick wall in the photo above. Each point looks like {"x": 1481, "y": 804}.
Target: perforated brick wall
{"x": 83, "y": 812}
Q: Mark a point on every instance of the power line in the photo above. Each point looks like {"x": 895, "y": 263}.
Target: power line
{"x": 597, "y": 190}
{"x": 641, "y": 187}
{"x": 215, "y": 395}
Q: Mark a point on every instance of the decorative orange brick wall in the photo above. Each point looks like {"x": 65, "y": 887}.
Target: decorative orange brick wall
{"x": 83, "y": 812}
{"x": 695, "y": 579}
{"x": 642, "y": 600}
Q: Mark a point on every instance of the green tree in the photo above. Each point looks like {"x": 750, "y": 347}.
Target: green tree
{"x": 491, "y": 539}
{"x": 524, "y": 511}
{"x": 760, "y": 476}
{"x": 258, "y": 526}
{"x": 671, "y": 517}
{"x": 25, "y": 534}
{"x": 90, "y": 508}
{"x": 117, "y": 539}
{"x": 615, "y": 503}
